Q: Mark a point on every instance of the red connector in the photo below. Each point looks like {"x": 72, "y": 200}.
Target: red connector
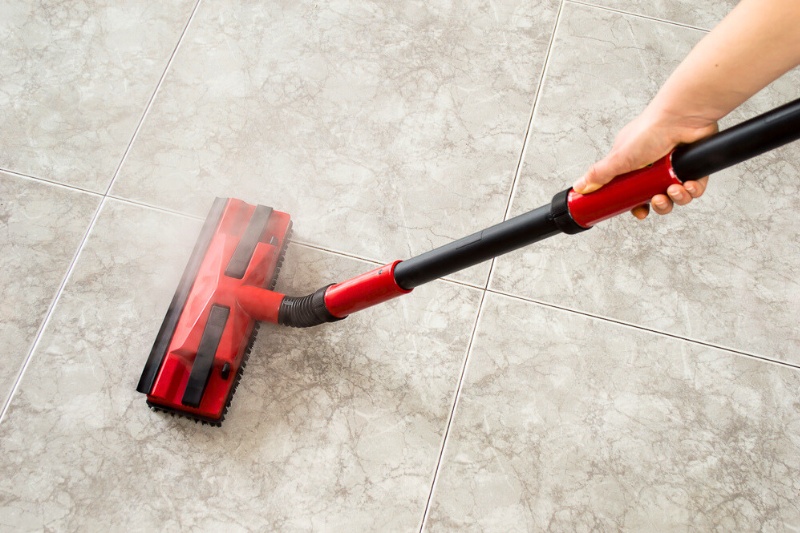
{"x": 366, "y": 290}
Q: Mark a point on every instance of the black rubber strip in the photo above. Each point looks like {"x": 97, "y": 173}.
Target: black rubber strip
{"x": 559, "y": 212}
{"x": 164, "y": 337}
{"x": 216, "y": 422}
{"x": 247, "y": 244}
{"x": 204, "y": 360}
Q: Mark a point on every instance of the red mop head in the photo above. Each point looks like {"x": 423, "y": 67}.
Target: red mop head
{"x": 202, "y": 346}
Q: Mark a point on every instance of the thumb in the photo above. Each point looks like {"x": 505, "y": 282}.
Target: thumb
{"x": 601, "y": 173}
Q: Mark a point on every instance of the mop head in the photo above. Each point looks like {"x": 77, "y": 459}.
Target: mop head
{"x": 205, "y": 339}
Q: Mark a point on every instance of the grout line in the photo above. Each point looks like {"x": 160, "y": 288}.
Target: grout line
{"x": 587, "y": 314}
{"x": 72, "y": 188}
{"x": 462, "y": 283}
{"x": 517, "y": 172}
{"x": 448, "y": 428}
{"x": 337, "y": 252}
{"x": 152, "y": 207}
{"x": 152, "y": 98}
{"x": 639, "y": 15}
{"x": 536, "y": 97}
{"x": 145, "y": 205}
{"x": 48, "y": 315}
{"x": 749, "y": 355}
{"x": 105, "y": 197}
{"x": 460, "y": 386}
{"x": 378, "y": 263}
{"x": 534, "y": 107}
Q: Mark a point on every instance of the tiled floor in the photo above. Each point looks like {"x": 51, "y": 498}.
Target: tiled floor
{"x": 640, "y": 376}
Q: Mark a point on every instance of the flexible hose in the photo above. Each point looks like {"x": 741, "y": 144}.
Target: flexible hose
{"x": 305, "y": 311}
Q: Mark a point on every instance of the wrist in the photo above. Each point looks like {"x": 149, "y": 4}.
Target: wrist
{"x": 679, "y": 122}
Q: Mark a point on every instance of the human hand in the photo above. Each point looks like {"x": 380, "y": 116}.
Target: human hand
{"x": 646, "y": 139}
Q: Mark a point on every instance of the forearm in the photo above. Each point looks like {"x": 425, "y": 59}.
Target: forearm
{"x": 754, "y": 45}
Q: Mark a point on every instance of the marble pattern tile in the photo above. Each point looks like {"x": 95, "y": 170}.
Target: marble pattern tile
{"x": 704, "y": 15}
{"x": 385, "y": 129}
{"x": 337, "y": 428}
{"x": 76, "y": 79}
{"x": 41, "y": 227}
{"x": 568, "y": 423}
{"x": 723, "y": 270}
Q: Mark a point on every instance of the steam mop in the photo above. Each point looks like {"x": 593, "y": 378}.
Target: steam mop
{"x": 227, "y": 288}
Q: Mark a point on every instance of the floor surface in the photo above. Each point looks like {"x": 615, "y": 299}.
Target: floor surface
{"x": 642, "y": 376}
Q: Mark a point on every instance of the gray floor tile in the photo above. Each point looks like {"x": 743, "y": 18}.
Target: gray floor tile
{"x": 699, "y": 14}
{"x": 567, "y": 423}
{"x": 337, "y": 428}
{"x": 384, "y": 129}
{"x": 723, "y": 270}
{"x": 76, "y": 79}
{"x": 41, "y": 227}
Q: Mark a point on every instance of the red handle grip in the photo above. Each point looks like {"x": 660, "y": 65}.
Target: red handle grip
{"x": 623, "y": 193}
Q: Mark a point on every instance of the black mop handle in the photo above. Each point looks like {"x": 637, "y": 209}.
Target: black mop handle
{"x": 570, "y": 212}
{"x": 738, "y": 143}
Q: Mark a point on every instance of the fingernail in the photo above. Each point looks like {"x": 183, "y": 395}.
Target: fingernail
{"x": 690, "y": 188}
{"x": 582, "y": 187}
{"x": 661, "y": 203}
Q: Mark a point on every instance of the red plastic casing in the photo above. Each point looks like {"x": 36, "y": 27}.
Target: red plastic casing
{"x": 623, "y": 193}
{"x": 262, "y": 305}
{"x": 366, "y": 290}
{"x": 213, "y": 287}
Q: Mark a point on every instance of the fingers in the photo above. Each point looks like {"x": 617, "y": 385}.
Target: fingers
{"x": 676, "y": 194}
{"x": 661, "y": 204}
{"x": 591, "y": 181}
{"x": 600, "y": 173}
{"x": 641, "y": 211}
{"x": 696, "y": 188}
{"x": 679, "y": 195}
